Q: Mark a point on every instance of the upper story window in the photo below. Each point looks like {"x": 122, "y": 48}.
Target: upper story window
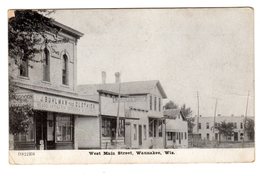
{"x": 199, "y": 125}
{"x": 151, "y": 102}
{"x": 155, "y": 103}
{"x": 207, "y": 125}
{"x": 46, "y": 65}
{"x": 24, "y": 68}
{"x": 159, "y": 101}
{"x": 65, "y": 69}
{"x": 235, "y": 125}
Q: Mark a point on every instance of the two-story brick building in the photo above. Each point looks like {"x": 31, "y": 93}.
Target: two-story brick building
{"x": 49, "y": 87}
{"x": 206, "y": 125}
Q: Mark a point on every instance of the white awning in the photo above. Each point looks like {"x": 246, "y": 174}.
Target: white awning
{"x": 176, "y": 125}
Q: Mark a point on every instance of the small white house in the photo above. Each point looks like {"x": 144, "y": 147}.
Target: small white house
{"x": 176, "y": 129}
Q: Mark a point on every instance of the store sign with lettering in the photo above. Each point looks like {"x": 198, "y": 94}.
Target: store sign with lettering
{"x": 64, "y": 105}
{"x": 131, "y": 99}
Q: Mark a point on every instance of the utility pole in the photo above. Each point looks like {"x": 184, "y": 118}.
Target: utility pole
{"x": 244, "y": 133}
{"x": 214, "y": 121}
{"x": 118, "y": 107}
{"x": 198, "y": 112}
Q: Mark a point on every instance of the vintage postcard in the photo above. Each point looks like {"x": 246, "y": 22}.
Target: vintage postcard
{"x": 136, "y": 85}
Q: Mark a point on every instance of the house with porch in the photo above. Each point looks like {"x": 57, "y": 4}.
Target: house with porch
{"x": 176, "y": 129}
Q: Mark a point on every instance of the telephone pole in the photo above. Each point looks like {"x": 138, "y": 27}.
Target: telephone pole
{"x": 244, "y": 133}
{"x": 117, "y": 74}
{"x": 198, "y": 112}
{"x": 214, "y": 121}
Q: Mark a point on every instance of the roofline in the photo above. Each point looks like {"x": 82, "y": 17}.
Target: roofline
{"x": 68, "y": 30}
{"x": 158, "y": 84}
{"x": 110, "y": 92}
{"x": 161, "y": 89}
{"x": 73, "y": 95}
{"x": 182, "y": 115}
{"x": 224, "y": 116}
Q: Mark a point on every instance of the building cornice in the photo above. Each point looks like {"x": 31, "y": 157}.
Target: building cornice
{"x": 52, "y": 91}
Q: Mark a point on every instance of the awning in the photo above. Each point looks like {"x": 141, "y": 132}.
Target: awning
{"x": 156, "y": 117}
{"x": 176, "y": 125}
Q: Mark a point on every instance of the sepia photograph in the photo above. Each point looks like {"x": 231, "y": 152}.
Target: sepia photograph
{"x": 129, "y": 83}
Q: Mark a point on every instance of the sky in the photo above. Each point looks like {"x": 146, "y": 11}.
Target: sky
{"x": 190, "y": 51}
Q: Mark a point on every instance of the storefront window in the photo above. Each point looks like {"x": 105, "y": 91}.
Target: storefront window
{"x": 106, "y": 127}
{"x": 64, "y": 129}
{"x": 109, "y": 127}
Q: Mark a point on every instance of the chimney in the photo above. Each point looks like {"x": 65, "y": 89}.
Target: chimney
{"x": 117, "y": 77}
{"x": 104, "y": 77}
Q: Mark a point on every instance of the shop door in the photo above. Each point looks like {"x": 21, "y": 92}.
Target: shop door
{"x": 50, "y": 133}
{"x": 128, "y": 141}
{"x": 44, "y": 131}
{"x": 140, "y": 135}
{"x": 235, "y": 136}
{"x": 41, "y": 130}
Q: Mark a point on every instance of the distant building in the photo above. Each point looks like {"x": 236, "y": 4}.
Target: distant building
{"x": 206, "y": 125}
{"x": 141, "y": 123}
{"x": 176, "y": 129}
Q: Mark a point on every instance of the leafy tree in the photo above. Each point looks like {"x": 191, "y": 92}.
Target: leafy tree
{"x": 26, "y": 34}
{"x": 27, "y": 31}
{"x": 191, "y": 124}
{"x": 171, "y": 105}
{"x": 226, "y": 129}
{"x": 187, "y": 112}
{"x": 20, "y": 119}
{"x": 250, "y": 128}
